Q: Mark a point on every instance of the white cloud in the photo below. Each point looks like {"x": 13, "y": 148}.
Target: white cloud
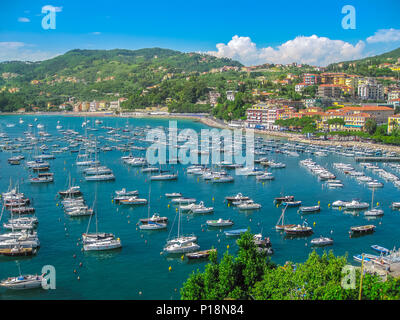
{"x": 96, "y": 33}
{"x": 385, "y": 35}
{"x": 311, "y": 50}
{"x": 23, "y": 19}
{"x": 11, "y": 51}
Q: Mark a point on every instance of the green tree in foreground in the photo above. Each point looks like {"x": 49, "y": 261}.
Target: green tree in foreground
{"x": 251, "y": 275}
{"x": 232, "y": 278}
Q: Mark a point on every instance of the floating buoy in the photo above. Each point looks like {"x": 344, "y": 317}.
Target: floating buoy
{"x": 170, "y": 268}
{"x": 314, "y": 224}
{"x": 329, "y": 205}
{"x": 140, "y": 293}
{"x": 74, "y": 270}
{"x": 213, "y": 199}
{"x": 377, "y": 203}
{"x": 168, "y": 205}
{"x": 74, "y": 256}
{"x": 182, "y": 257}
{"x": 319, "y": 202}
{"x": 229, "y": 204}
{"x": 78, "y": 278}
{"x": 340, "y": 208}
{"x": 80, "y": 264}
{"x": 227, "y": 246}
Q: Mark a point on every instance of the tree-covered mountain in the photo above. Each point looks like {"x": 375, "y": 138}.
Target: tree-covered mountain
{"x": 97, "y": 74}
{"x": 374, "y": 66}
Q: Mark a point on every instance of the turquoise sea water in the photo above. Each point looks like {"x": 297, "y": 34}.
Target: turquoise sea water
{"x": 139, "y": 267}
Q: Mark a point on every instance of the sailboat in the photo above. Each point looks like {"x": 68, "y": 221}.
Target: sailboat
{"x": 373, "y": 212}
{"x": 22, "y": 281}
{"x": 99, "y": 241}
{"x": 151, "y": 224}
{"x": 181, "y": 244}
{"x": 280, "y": 225}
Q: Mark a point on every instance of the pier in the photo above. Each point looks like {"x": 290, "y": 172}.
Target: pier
{"x": 377, "y": 159}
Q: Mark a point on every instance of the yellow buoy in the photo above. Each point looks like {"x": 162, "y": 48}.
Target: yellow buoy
{"x": 227, "y": 246}
{"x": 377, "y": 203}
{"x": 319, "y": 202}
{"x": 169, "y": 269}
{"x": 213, "y": 199}
{"x": 329, "y": 205}
{"x": 182, "y": 257}
{"x": 168, "y": 205}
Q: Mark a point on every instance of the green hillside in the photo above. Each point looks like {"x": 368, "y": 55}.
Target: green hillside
{"x": 97, "y": 74}
{"x": 370, "y": 66}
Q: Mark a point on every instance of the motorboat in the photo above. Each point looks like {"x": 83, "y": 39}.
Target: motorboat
{"x": 360, "y": 230}
{"x": 238, "y": 197}
{"x": 249, "y": 205}
{"x": 181, "y": 247}
{"x": 298, "y": 230}
{"x": 201, "y": 209}
{"x": 235, "y": 233}
{"x": 310, "y": 209}
{"x": 124, "y": 192}
{"x": 356, "y": 205}
{"x": 219, "y": 223}
{"x": 182, "y": 200}
{"x": 162, "y": 177}
{"x": 100, "y": 177}
{"x": 173, "y": 195}
{"x": 204, "y": 254}
{"x": 152, "y": 225}
{"x": 322, "y": 241}
{"x": 380, "y": 249}
{"x": 154, "y": 218}
{"x": 102, "y": 245}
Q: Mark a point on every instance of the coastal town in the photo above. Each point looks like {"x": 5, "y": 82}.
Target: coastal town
{"x": 335, "y": 101}
{"x": 215, "y": 153}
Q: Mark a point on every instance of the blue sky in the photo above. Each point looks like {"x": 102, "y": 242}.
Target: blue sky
{"x": 266, "y": 31}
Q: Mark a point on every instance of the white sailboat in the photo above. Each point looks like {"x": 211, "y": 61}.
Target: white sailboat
{"x": 373, "y": 212}
{"x": 99, "y": 241}
{"x": 22, "y": 282}
{"x": 181, "y": 244}
{"x": 152, "y": 225}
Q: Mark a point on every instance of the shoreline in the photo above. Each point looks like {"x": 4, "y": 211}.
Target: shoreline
{"x": 207, "y": 120}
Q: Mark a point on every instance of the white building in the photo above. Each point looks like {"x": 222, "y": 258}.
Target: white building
{"x": 230, "y": 95}
{"x": 370, "y": 91}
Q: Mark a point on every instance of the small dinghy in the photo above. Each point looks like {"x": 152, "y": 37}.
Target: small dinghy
{"x": 380, "y": 249}
{"x": 204, "y": 254}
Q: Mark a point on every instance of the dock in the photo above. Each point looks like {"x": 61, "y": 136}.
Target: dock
{"x": 393, "y": 269}
{"x": 377, "y": 159}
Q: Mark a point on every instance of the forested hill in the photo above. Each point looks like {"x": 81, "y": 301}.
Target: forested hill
{"x": 370, "y": 66}
{"x": 97, "y": 74}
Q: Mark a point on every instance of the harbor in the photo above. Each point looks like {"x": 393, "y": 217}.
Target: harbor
{"x": 101, "y": 163}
